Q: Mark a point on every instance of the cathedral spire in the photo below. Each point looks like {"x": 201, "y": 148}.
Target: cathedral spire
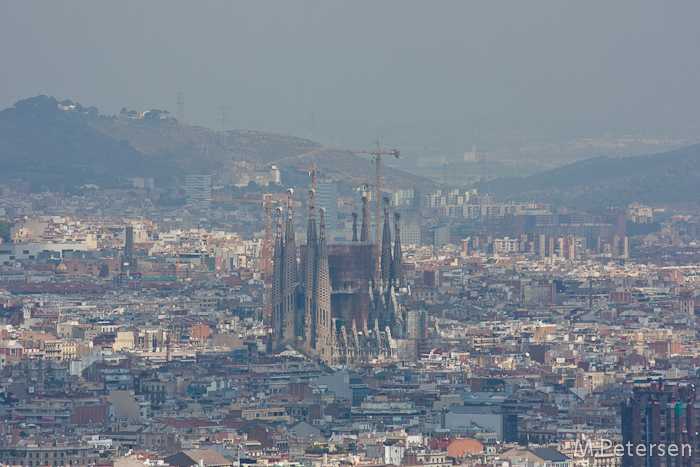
{"x": 322, "y": 297}
{"x": 397, "y": 264}
{"x": 354, "y": 226}
{"x": 386, "y": 245}
{"x": 276, "y": 319}
{"x": 309, "y": 272}
{"x": 311, "y": 228}
{"x": 322, "y": 227}
{"x": 364, "y": 235}
{"x": 289, "y": 228}
{"x": 289, "y": 275}
{"x": 279, "y": 225}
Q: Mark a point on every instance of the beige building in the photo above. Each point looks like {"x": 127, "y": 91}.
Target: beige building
{"x": 124, "y": 341}
{"x": 127, "y": 406}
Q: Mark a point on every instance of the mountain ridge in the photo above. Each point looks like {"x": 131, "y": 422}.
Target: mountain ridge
{"x": 61, "y": 143}
{"x": 599, "y": 182}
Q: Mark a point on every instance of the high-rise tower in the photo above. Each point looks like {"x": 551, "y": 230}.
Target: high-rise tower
{"x": 129, "y": 261}
{"x": 198, "y": 188}
{"x": 660, "y": 416}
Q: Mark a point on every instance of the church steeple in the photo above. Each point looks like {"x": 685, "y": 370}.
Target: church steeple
{"x": 289, "y": 227}
{"x": 364, "y": 235}
{"x": 386, "y": 246}
{"x": 310, "y": 271}
{"x": 277, "y": 267}
{"x": 397, "y": 264}
{"x": 322, "y": 297}
{"x": 354, "y": 226}
{"x": 289, "y": 274}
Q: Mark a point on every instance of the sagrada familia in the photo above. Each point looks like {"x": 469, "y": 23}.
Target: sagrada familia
{"x": 332, "y": 310}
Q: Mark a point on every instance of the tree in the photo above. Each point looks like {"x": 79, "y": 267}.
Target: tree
{"x": 317, "y": 449}
{"x": 5, "y": 230}
{"x": 155, "y": 114}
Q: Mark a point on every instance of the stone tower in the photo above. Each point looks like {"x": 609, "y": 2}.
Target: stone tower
{"x": 354, "y": 226}
{"x": 397, "y": 264}
{"x": 322, "y": 297}
{"x": 386, "y": 246}
{"x": 309, "y": 324}
{"x": 364, "y": 234}
{"x": 289, "y": 277}
{"x": 276, "y": 319}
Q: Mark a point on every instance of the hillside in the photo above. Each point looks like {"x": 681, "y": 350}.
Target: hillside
{"x": 49, "y": 146}
{"x": 60, "y": 144}
{"x": 197, "y": 149}
{"x": 596, "y": 183}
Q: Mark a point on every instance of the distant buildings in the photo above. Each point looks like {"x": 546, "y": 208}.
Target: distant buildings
{"x": 198, "y": 190}
{"x": 640, "y": 214}
{"x": 511, "y": 345}
{"x": 143, "y": 182}
{"x": 441, "y": 236}
{"x": 327, "y": 199}
{"x": 410, "y": 223}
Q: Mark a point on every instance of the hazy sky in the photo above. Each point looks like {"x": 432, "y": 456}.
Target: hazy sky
{"x": 316, "y": 66}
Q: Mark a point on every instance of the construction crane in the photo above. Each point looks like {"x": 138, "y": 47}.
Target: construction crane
{"x": 313, "y": 172}
{"x": 366, "y": 186}
{"x": 266, "y": 247}
{"x": 377, "y": 183}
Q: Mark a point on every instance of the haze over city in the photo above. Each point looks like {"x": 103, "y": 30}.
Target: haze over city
{"x": 433, "y": 77}
{"x": 349, "y": 234}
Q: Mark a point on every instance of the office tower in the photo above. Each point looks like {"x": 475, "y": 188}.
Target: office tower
{"x": 327, "y": 199}
{"x": 198, "y": 190}
{"x": 410, "y": 227}
{"x": 129, "y": 261}
{"x": 659, "y": 416}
